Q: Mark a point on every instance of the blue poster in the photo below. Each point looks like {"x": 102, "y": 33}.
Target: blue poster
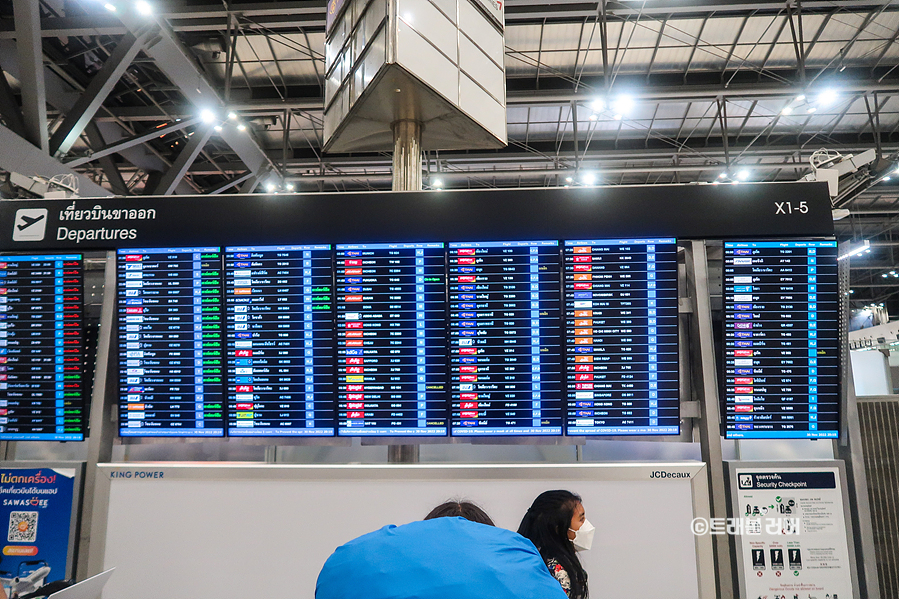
{"x": 35, "y": 516}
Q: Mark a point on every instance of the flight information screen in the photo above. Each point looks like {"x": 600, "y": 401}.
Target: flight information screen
{"x": 621, "y": 337}
{"x": 505, "y": 350}
{"x": 391, "y": 339}
{"x": 41, "y": 348}
{"x": 781, "y": 360}
{"x": 280, "y": 343}
{"x": 170, "y": 342}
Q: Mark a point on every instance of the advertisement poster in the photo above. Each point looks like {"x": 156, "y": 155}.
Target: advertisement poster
{"x": 792, "y": 542}
{"x": 36, "y": 515}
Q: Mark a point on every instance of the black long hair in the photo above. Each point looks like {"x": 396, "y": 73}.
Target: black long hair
{"x": 546, "y": 524}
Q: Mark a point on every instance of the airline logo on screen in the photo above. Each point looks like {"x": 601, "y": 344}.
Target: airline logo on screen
{"x": 30, "y": 224}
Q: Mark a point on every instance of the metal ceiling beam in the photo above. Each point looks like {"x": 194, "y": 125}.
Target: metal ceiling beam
{"x": 310, "y": 15}
{"x": 20, "y": 156}
{"x": 678, "y": 93}
{"x": 124, "y": 144}
{"x": 9, "y": 108}
{"x": 31, "y": 62}
{"x": 175, "y": 61}
{"x": 113, "y": 175}
{"x": 173, "y": 176}
{"x": 228, "y": 184}
{"x": 97, "y": 90}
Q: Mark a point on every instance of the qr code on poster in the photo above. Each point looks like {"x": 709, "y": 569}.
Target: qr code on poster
{"x": 22, "y": 527}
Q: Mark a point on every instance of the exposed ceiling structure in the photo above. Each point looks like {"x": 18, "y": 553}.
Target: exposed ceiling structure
{"x": 613, "y": 92}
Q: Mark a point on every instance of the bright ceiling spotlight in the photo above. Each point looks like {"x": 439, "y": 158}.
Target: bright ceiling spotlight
{"x": 827, "y": 97}
{"x": 623, "y": 105}
{"x": 290, "y": 187}
{"x": 437, "y": 184}
{"x": 887, "y": 178}
{"x": 598, "y": 105}
{"x": 743, "y": 175}
{"x": 855, "y": 251}
{"x": 109, "y": 7}
{"x": 232, "y": 115}
{"x": 207, "y": 116}
{"x": 588, "y": 178}
{"x": 617, "y": 117}
{"x": 568, "y": 179}
{"x": 218, "y": 128}
{"x": 241, "y": 127}
{"x": 593, "y": 117}
{"x": 799, "y": 98}
{"x": 722, "y": 176}
{"x": 269, "y": 187}
{"x": 787, "y": 110}
{"x": 811, "y": 109}
{"x": 143, "y": 7}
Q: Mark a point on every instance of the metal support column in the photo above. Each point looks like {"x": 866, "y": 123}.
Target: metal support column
{"x": 97, "y": 90}
{"x": 102, "y": 433}
{"x": 850, "y": 449}
{"x": 406, "y": 177}
{"x": 29, "y": 45}
{"x": 9, "y": 110}
{"x": 407, "y": 155}
{"x": 705, "y": 386}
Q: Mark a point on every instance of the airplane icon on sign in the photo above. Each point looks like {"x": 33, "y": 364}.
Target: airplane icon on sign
{"x": 28, "y": 221}
{"x": 30, "y": 224}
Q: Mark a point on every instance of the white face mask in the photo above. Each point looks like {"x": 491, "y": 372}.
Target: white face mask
{"x": 583, "y": 537}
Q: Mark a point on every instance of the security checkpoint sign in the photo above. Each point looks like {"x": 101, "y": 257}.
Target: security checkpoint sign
{"x": 793, "y": 541}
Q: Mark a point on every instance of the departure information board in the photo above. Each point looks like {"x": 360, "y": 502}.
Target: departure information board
{"x": 280, "y": 340}
{"x": 391, "y": 339}
{"x": 505, "y": 350}
{"x": 170, "y": 342}
{"x": 41, "y": 348}
{"x": 621, "y": 337}
{"x": 781, "y": 339}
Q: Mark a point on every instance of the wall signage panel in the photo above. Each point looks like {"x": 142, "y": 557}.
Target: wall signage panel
{"x": 391, "y": 350}
{"x": 41, "y": 348}
{"x": 781, "y": 330}
{"x": 504, "y": 336}
{"x": 170, "y": 342}
{"x": 621, "y": 337}
{"x": 793, "y": 530}
{"x": 280, "y": 349}
{"x": 749, "y": 210}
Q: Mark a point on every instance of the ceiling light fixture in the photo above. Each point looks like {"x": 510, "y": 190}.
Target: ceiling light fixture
{"x": 854, "y": 251}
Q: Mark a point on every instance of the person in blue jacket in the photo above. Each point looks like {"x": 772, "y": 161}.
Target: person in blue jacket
{"x": 446, "y": 557}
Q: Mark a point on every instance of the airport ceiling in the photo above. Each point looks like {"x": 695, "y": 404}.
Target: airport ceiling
{"x": 694, "y": 89}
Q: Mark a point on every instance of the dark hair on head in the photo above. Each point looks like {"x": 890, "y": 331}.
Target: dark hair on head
{"x": 546, "y": 524}
{"x": 458, "y": 507}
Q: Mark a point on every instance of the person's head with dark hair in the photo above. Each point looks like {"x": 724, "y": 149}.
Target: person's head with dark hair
{"x": 465, "y": 509}
{"x": 556, "y": 524}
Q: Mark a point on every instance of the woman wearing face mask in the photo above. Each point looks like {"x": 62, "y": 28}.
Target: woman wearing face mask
{"x": 557, "y": 525}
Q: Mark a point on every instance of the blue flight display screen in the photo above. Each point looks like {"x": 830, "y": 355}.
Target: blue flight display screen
{"x": 391, "y": 350}
{"x": 170, "y": 342}
{"x": 41, "y": 348}
{"x": 280, "y": 348}
{"x": 504, "y": 336}
{"x": 781, "y": 350}
{"x": 621, "y": 337}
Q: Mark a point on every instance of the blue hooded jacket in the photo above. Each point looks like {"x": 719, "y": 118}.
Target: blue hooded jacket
{"x": 443, "y": 558}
